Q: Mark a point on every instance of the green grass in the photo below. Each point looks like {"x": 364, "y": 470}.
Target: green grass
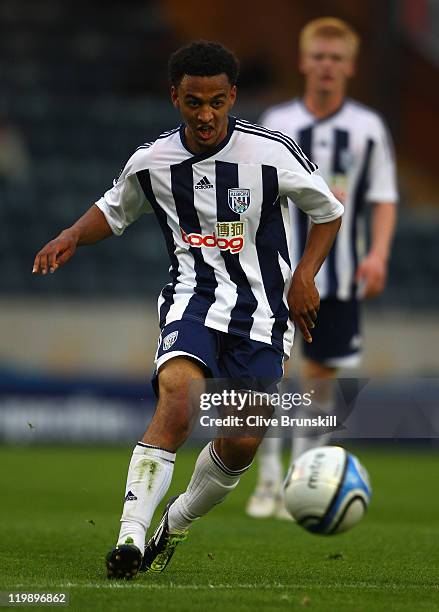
{"x": 59, "y": 516}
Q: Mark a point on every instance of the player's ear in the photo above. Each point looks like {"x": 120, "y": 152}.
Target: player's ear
{"x": 174, "y": 96}
{"x": 301, "y": 63}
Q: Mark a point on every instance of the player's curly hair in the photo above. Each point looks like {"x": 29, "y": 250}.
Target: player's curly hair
{"x": 202, "y": 58}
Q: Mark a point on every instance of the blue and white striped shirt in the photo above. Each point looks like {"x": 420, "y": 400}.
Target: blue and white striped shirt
{"x": 354, "y": 153}
{"x": 224, "y": 215}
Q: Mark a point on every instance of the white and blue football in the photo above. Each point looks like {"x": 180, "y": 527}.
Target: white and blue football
{"x": 327, "y": 490}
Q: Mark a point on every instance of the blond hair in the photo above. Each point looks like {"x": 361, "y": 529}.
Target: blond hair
{"x": 329, "y": 27}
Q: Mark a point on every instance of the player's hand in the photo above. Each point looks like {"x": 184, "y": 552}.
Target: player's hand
{"x": 56, "y": 253}
{"x": 303, "y": 303}
{"x": 371, "y": 275}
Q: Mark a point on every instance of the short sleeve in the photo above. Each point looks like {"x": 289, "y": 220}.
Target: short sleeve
{"x": 310, "y": 193}
{"x": 382, "y": 182}
{"x": 125, "y": 202}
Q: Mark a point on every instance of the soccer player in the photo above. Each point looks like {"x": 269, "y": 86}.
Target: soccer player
{"x": 219, "y": 187}
{"x": 351, "y": 145}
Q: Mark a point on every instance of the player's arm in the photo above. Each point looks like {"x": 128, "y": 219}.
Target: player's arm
{"x": 382, "y": 193}
{"x": 303, "y": 297}
{"x": 371, "y": 274}
{"x": 309, "y": 192}
{"x": 88, "y": 229}
{"x": 112, "y": 214}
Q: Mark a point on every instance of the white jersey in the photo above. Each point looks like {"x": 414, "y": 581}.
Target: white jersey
{"x": 354, "y": 153}
{"x": 224, "y": 215}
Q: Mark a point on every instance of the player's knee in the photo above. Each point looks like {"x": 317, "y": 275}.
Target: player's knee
{"x": 177, "y": 376}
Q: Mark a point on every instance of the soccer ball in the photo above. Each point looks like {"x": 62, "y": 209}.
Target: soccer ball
{"x": 327, "y": 490}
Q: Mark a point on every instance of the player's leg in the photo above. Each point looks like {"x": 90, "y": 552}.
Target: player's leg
{"x": 336, "y": 344}
{"x": 265, "y": 498}
{"x": 211, "y": 482}
{"x": 319, "y": 379}
{"x": 152, "y": 463}
{"x": 222, "y": 462}
{"x": 151, "y": 467}
{"x": 219, "y": 467}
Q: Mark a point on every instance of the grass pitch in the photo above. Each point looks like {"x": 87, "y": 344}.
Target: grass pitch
{"x": 59, "y": 516}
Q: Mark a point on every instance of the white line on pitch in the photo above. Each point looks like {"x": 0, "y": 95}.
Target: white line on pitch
{"x": 155, "y": 586}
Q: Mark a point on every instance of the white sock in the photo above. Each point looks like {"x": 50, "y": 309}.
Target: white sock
{"x": 303, "y": 441}
{"x": 149, "y": 477}
{"x": 270, "y": 462}
{"x": 211, "y": 482}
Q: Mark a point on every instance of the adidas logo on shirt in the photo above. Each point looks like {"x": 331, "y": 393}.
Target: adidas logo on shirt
{"x": 204, "y": 183}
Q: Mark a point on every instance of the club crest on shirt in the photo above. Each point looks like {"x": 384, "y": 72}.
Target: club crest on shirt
{"x": 169, "y": 340}
{"x": 239, "y": 200}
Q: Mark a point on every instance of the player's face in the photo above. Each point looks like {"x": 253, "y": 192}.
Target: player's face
{"x": 327, "y": 65}
{"x": 204, "y": 103}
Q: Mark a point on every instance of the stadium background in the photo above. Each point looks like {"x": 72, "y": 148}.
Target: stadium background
{"x": 82, "y": 84}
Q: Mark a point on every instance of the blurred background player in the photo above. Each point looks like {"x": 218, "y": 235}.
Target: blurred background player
{"x": 352, "y": 148}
